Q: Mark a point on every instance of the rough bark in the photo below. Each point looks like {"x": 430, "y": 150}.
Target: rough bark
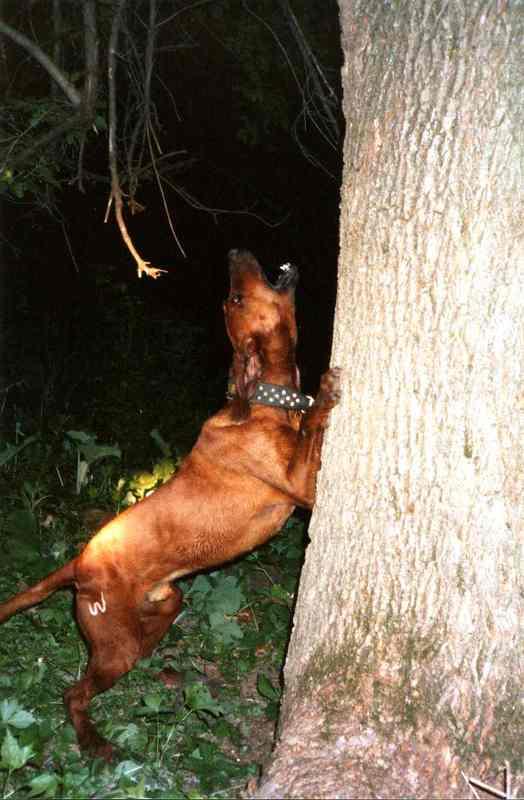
{"x": 405, "y": 666}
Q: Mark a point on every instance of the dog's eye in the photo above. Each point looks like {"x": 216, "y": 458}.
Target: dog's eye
{"x": 236, "y": 299}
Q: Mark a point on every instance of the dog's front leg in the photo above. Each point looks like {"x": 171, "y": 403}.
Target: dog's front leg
{"x": 305, "y": 462}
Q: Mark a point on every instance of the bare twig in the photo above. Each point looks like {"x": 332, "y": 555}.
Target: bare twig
{"x": 79, "y": 180}
{"x": 149, "y": 59}
{"x": 116, "y": 191}
{"x": 68, "y": 243}
{"x": 139, "y": 113}
{"x": 189, "y": 7}
{"x": 323, "y": 120}
{"x": 91, "y": 81}
{"x": 160, "y": 160}
{"x": 91, "y": 61}
{"x": 150, "y": 132}
{"x": 215, "y": 212}
{"x": 163, "y": 196}
{"x": 323, "y": 89}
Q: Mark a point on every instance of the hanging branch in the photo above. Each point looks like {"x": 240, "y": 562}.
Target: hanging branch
{"x": 69, "y": 90}
{"x": 116, "y": 190}
{"x": 142, "y": 118}
{"x": 91, "y": 81}
{"x": 150, "y": 131}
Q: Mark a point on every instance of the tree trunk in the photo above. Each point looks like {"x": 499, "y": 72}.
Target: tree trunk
{"x": 405, "y": 669}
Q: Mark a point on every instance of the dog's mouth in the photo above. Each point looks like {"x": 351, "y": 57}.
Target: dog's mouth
{"x": 280, "y": 279}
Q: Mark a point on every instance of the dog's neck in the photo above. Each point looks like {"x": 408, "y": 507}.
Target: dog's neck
{"x": 281, "y": 376}
{"x": 277, "y": 386}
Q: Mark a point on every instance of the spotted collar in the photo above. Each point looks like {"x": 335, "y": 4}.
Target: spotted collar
{"x": 272, "y": 394}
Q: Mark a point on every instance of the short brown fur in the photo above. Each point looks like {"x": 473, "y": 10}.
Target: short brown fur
{"x": 251, "y": 465}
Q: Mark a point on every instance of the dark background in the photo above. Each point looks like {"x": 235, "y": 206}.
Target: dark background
{"x": 86, "y": 344}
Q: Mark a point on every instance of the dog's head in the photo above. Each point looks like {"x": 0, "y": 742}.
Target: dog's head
{"x": 260, "y": 322}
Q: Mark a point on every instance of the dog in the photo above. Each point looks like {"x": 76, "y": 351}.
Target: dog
{"x": 254, "y": 461}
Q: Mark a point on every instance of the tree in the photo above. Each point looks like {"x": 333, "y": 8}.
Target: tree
{"x": 405, "y": 668}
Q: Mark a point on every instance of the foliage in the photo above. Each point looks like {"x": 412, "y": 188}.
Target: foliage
{"x": 199, "y": 740}
{"x": 276, "y": 77}
{"x": 140, "y": 484}
{"x": 51, "y": 170}
{"x": 88, "y": 451}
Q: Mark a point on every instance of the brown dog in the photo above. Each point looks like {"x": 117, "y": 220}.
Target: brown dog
{"x": 253, "y": 463}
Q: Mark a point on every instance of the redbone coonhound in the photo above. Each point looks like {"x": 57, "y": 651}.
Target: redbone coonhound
{"x": 253, "y": 463}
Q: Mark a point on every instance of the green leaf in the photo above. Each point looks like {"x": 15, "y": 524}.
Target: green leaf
{"x": 132, "y": 735}
{"x": 266, "y": 688}
{"x": 164, "y": 469}
{"x": 138, "y": 791}
{"x": 200, "y": 586}
{"x": 45, "y": 784}
{"x": 228, "y": 630}
{"x": 80, "y": 437}
{"x": 127, "y": 769}
{"x": 11, "y": 713}
{"x": 153, "y": 701}
{"x": 227, "y": 597}
{"x": 10, "y": 451}
{"x": 280, "y": 593}
{"x": 12, "y": 755}
{"x": 197, "y": 698}
{"x": 94, "y": 452}
{"x": 88, "y": 447}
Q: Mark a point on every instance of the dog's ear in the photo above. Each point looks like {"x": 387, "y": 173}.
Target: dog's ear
{"x": 246, "y": 369}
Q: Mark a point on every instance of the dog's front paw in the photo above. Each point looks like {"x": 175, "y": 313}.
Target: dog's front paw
{"x": 330, "y": 392}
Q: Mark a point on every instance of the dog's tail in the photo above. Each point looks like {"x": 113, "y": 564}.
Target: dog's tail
{"x": 56, "y": 580}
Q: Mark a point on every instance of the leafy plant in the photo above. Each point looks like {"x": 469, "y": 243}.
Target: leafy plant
{"x": 9, "y": 451}
{"x": 219, "y": 597}
{"x": 203, "y": 737}
{"x": 266, "y": 689}
{"x": 141, "y": 484}
{"x": 88, "y": 451}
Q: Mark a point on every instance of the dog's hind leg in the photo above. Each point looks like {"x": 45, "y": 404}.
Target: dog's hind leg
{"x": 118, "y": 634}
{"x": 113, "y": 633}
{"x": 156, "y": 617}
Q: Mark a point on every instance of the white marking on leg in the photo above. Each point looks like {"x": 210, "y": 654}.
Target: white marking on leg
{"x": 96, "y": 607}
